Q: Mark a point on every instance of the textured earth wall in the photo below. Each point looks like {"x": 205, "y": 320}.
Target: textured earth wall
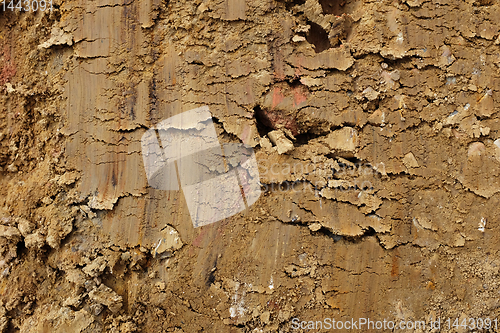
{"x": 375, "y": 126}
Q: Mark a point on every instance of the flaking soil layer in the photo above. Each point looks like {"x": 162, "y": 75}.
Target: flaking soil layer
{"x": 375, "y": 127}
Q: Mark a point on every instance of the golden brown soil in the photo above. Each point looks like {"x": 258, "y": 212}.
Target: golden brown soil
{"x": 375, "y": 125}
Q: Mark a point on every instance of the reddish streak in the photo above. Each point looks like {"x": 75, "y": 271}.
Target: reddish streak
{"x": 277, "y": 97}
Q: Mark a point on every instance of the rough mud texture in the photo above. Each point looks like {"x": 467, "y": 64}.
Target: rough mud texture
{"x": 375, "y": 125}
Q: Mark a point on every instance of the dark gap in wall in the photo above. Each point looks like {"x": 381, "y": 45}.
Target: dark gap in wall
{"x": 318, "y": 37}
{"x": 263, "y": 124}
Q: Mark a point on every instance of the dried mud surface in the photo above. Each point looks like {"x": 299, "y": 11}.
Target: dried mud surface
{"x": 375, "y": 125}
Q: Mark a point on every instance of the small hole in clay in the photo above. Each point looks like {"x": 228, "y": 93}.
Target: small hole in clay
{"x": 318, "y": 37}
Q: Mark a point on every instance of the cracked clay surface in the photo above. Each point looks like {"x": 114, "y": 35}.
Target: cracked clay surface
{"x": 375, "y": 127}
